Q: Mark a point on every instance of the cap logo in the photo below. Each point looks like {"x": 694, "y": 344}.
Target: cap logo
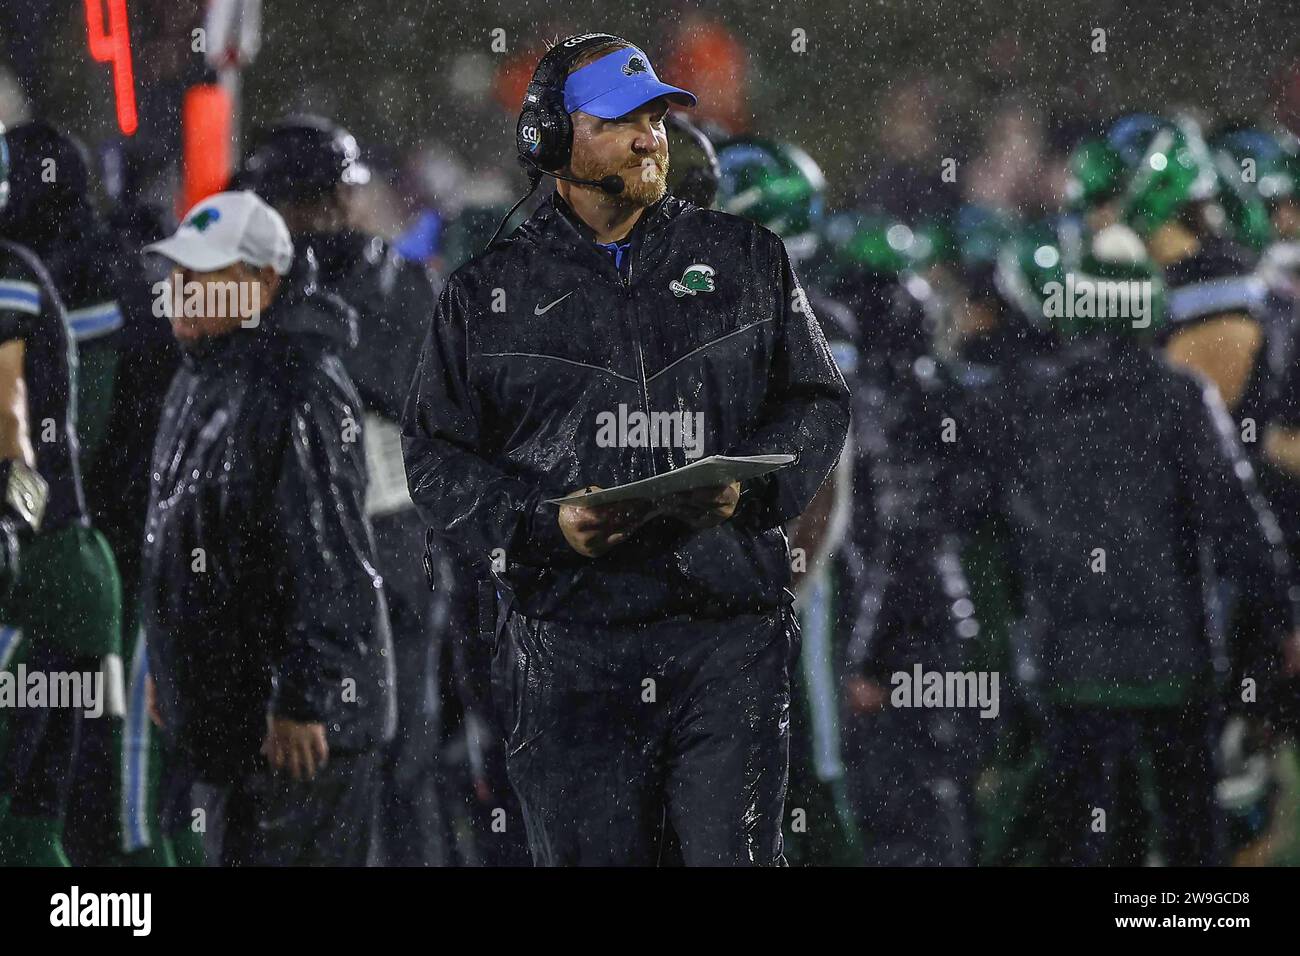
{"x": 636, "y": 64}
{"x": 203, "y": 218}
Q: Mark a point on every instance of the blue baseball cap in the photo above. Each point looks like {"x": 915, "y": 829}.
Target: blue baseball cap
{"x": 616, "y": 84}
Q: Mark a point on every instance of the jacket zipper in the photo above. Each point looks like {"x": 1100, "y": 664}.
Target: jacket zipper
{"x": 648, "y": 452}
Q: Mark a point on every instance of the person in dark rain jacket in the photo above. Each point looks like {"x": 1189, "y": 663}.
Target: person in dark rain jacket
{"x": 1127, "y": 496}
{"x": 309, "y": 170}
{"x": 643, "y": 660}
{"x": 265, "y": 618}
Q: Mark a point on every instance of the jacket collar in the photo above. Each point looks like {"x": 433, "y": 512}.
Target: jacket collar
{"x": 649, "y": 221}
{"x": 556, "y": 228}
{"x": 554, "y": 221}
{"x": 302, "y": 311}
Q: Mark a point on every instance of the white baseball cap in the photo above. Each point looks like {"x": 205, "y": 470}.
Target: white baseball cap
{"x": 227, "y": 228}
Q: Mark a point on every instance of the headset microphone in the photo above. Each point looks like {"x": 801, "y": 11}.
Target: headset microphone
{"x": 611, "y": 184}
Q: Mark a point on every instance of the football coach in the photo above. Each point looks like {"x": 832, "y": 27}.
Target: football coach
{"x": 642, "y": 660}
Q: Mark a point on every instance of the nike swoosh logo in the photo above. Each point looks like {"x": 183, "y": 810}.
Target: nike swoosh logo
{"x": 538, "y": 310}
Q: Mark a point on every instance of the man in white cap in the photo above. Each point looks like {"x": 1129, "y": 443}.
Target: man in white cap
{"x": 230, "y": 252}
{"x": 265, "y": 620}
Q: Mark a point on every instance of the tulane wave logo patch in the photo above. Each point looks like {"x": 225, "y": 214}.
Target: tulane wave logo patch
{"x": 697, "y": 278}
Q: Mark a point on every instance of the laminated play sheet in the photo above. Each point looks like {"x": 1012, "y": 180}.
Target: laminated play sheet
{"x": 705, "y": 473}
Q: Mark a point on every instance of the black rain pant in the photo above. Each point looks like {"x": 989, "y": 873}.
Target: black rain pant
{"x": 614, "y": 731}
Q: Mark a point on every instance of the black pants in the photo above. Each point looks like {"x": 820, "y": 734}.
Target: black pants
{"x": 268, "y": 819}
{"x": 611, "y": 732}
{"x": 912, "y": 785}
{"x": 411, "y": 830}
{"x": 38, "y": 770}
{"x": 1090, "y": 764}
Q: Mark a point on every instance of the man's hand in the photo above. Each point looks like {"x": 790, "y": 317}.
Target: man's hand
{"x": 703, "y": 507}
{"x": 299, "y": 746}
{"x": 591, "y": 531}
{"x": 15, "y": 438}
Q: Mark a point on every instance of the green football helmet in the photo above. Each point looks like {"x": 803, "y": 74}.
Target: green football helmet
{"x": 1097, "y": 175}
{"x": 1261, "y": 170}
{"x": 1154, "y": 168}
{"x": 1271, "y": 163}
{"x": 1109, "y": 286}
{"x": 1244, "y": 209}
{"x": 776, "y": 185}
{"x": 1175, "y": 169}
{"x": 1026, "y": 266}
{"x": 871, "y": 243}
{"x": 1100, "y": 169}
{"x": 4, "y": 169}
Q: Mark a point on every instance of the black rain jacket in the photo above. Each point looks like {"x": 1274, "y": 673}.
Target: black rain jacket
{"x": 259, "y": 587}
{"x": 1108, "y": 452}
{"x": 536, "y": 338}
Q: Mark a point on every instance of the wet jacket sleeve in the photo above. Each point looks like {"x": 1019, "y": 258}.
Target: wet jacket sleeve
{"x": 321, "y": 556}
{"x": 1231, "y": 511}
{"x": 806, "y": 411}
{"x": 467, "y": 500}
{"x": 20, "y": 300}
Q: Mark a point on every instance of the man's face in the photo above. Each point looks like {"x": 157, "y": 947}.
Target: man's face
{"x": 331, "y": 213}
{"x": 633, "y": 146}
{"x": 1171, "y": 242}
{"x": 212, "y": 304}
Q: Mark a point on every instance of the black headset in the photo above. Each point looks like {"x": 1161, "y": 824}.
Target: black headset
{"x": 544, "y": 133}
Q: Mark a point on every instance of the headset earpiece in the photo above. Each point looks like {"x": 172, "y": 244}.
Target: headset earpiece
{"x": 544, "y": 133}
